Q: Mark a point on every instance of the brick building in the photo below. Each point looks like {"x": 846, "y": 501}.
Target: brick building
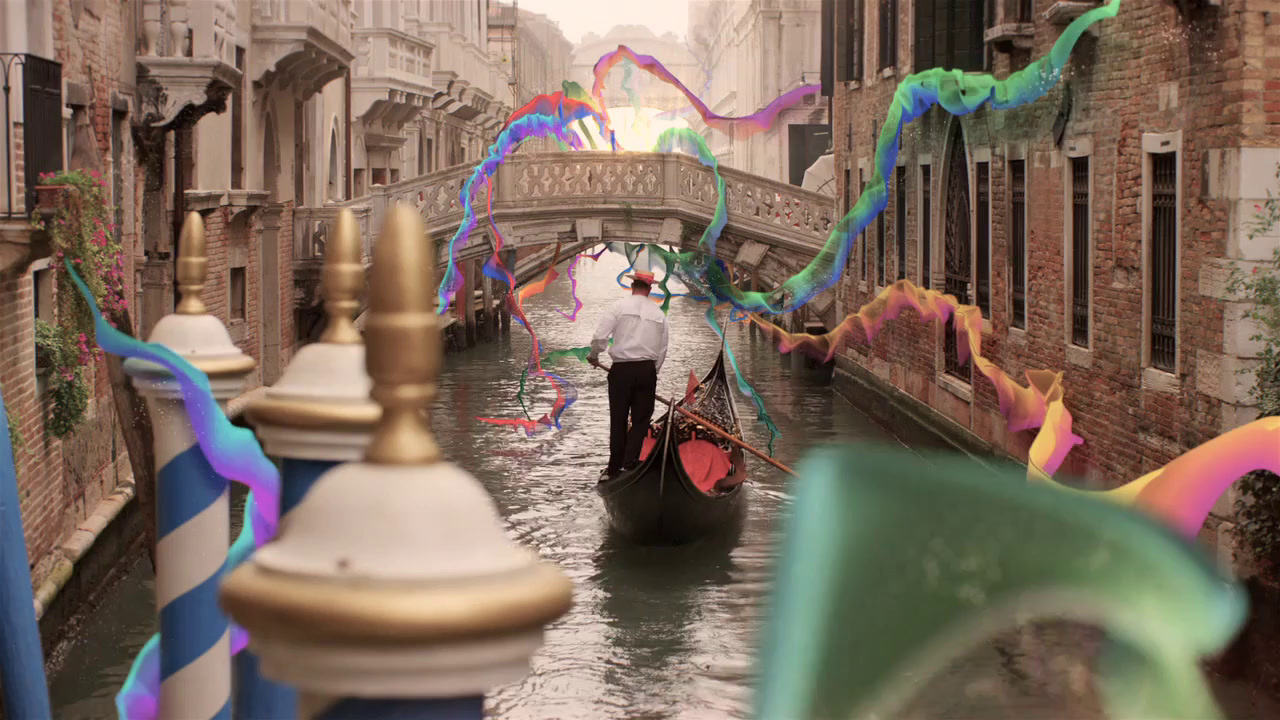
{"x": 72, "y": 104}
{"x": 260, "y": 115}
{"x": 1095, "y": 227}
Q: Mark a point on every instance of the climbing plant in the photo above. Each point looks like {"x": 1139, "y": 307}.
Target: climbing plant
{"x": 82, "y": 233}
{"x": 16, "y": 440}
{"x": 1258, "y": 507}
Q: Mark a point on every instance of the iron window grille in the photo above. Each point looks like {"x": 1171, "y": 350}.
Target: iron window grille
{"x": 958, "y": 253}
{"x": 926, "y": 222}
{"x": 983, "y": 240}
{"x": 900, "y": 221}
{"x": 1080, "y": 251}
{"x": 880, "y": 247}
{"x": 1018, "y": 240}
{"x": 1164, "y": 260}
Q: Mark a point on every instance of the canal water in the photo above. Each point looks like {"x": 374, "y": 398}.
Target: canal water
{"x": 654, "y": 633}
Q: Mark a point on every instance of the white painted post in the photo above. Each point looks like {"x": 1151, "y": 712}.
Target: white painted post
{"x": 318, "y": 415}
{"x": 192, "y": 512}
{"x": 393, "y": 590}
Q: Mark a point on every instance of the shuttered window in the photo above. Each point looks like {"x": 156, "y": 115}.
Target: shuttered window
{"x": 900, "y": 221}
{"x": 982, "y": 222}
{"x": 888, "y": 33}
{"x": 948, "y": 34}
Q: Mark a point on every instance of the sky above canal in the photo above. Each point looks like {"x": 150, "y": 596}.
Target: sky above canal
{"x": 579, "y": 17}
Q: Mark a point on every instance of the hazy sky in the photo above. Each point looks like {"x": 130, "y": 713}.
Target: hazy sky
{"x": 578, "y": 17}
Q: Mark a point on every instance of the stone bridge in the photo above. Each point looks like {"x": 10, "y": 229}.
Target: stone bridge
{"x": 581, "y": 199}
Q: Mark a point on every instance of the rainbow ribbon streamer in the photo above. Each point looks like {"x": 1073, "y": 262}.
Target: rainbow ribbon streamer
{"x": 233, "y": 452}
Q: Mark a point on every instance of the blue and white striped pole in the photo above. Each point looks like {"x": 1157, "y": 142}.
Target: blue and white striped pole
{"x": 317, "y": 415}
{"x": 22, "y": 681}
{"x": 192, "y": 504}
{"x": 393, "y": 590}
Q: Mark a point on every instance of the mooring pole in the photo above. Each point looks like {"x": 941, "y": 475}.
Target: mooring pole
{"x": 192, "y": 502}
{"x": 393, "y": 590}
{"x": 318, "y": 415}
{"x": 22, "y": 681}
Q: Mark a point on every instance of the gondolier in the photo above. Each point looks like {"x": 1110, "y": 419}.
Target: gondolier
{"x": 638, "y": 328}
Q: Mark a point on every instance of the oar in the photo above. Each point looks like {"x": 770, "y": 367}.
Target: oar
{"x": 720, "y": 431}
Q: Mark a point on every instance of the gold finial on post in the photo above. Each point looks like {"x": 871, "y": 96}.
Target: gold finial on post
{"x": 192, "y": 263}
{"x": 404, "y": 349}
{"x": 342, "y": 281}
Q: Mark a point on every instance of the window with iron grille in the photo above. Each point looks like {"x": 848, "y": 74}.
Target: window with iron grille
{"x": 926, "y": 222}
{"x": 1164, "y": 260}
{"x": 982, "y": 209}
{"x": 848, "y": 203}
{"x": 1080, "y": 251}
{"x": 900, "y": 221}
{"x": 888, "y": 33}
{"x": 862, "y": 238}
{"x": 880, "y": 248}
{"x": 957, "y": 252}
{"x": 1018, "y": 241}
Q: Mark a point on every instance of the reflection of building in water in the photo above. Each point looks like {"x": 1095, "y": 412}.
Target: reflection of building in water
{"x": 1093, "y": 228}
{"x": 747, "y": 54}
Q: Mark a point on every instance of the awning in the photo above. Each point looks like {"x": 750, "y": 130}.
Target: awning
{"x": 821, "y": 176}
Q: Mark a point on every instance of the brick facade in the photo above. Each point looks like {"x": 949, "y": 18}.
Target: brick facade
{"x": 1149, "y": 76}
{"x": 61, "y": 481}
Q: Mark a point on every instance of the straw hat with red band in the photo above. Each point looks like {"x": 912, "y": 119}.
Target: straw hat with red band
{"x": 643, "y": 278}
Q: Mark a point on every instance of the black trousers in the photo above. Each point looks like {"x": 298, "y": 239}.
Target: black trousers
{"x": 632, "y": 386}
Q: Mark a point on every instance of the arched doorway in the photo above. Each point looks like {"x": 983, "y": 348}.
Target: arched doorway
{"x": 956, "y": 258}
{"x": 270, "y": 161}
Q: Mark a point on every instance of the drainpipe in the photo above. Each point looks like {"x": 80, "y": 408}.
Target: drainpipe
{"x": 318, "y": 415}
{"x": 364, "y": 602}
{"x": 191, "y": 498}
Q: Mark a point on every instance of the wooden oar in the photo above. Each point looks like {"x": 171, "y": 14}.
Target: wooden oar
{"x": 721, "y": 432}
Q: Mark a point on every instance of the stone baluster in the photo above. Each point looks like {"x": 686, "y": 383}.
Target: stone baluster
{"x": 152, "y": 19}
{"x": 192, "y": 511}
{"x": 318, "y": 415}
{"x": 178, "y": 25}
{"x": 393, "y": 590}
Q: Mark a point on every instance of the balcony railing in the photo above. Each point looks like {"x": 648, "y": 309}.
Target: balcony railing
{"x": 591, "y": 183}
{"x": 40, "y": 149}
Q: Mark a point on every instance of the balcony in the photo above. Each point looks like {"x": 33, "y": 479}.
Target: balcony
{"x": 391, "y": 82}
{"x": 186, "y": 65}
{"x": 1013, "y": 26}
{"x": 301, "y": 44}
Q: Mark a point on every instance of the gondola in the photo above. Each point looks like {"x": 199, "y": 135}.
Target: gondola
{"x": 689, "y": 483}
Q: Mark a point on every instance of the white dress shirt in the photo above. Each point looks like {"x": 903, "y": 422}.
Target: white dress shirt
{"x": 639, "y": 330}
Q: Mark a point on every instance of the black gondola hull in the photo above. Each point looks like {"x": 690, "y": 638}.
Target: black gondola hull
{"x": 658, "y": 503}
{"x": 647, "y": 507}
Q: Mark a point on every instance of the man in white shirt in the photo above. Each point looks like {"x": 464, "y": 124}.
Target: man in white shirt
{"x": 639, "y": 331}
